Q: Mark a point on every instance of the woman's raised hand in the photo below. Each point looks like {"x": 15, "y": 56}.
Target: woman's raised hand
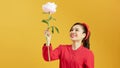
{"x": 48, "y": 37}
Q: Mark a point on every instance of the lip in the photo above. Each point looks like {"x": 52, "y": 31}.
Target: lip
{"x": 73, "y": 35}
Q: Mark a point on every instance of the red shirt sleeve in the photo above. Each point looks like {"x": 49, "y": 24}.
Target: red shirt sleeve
{"x": 89, "y": 61}
{"x": 49, "y": 54}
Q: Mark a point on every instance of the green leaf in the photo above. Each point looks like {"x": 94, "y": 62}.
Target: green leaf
{"x": 52, "y": 29}
{"x": 45, "y": 21}
{"x": 54, "y": 19}
{"x": 57, "y": 29}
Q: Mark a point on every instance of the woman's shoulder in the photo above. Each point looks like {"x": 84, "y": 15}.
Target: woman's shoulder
{"x": 87, "y": 51}
{"x": 65, "y": 45}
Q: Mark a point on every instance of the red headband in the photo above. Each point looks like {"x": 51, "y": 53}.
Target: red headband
{"x": 88, "y": 31}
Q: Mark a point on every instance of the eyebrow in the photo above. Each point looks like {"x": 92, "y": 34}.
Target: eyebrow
{"x": 75, "y": 28}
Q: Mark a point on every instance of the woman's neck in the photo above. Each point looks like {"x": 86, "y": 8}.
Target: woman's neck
{"x": 76, "y": 45}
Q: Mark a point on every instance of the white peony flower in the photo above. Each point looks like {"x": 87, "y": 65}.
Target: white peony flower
{"x": 49, "y": 7}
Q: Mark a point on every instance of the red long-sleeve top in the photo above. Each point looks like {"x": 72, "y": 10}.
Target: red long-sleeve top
{"x": 69, "y": 58}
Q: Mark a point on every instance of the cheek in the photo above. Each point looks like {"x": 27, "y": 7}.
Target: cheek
{"x": 79, "y": 35}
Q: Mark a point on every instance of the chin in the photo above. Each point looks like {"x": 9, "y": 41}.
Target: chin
{"x": 73, "y": 39}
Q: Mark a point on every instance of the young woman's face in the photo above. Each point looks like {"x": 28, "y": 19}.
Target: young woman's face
{"x": 76, "y": 33}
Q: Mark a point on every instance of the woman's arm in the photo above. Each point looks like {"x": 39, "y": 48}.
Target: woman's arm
{"x": 49, "y": 54}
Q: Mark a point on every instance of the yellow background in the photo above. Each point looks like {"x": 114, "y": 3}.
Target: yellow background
{"x": 22, "y": 32}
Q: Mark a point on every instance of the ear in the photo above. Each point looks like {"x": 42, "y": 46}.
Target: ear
{"x": 83, "y": 35}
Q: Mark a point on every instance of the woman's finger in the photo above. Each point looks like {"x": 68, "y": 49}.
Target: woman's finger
{"x": 47, "y": 33}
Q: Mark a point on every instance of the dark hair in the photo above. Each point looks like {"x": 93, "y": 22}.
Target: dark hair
{"x": 85, "y": 42}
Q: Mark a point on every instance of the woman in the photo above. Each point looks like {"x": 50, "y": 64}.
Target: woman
{"x": 76, "y": 55}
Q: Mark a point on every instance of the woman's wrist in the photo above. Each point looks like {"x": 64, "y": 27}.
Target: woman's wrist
{"x": 47, "y": 42}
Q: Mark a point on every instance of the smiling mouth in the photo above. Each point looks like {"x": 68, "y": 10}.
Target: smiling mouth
{"x": 73, "y": 35}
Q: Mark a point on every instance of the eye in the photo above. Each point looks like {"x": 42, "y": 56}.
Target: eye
{"x": 76, "y": 30}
